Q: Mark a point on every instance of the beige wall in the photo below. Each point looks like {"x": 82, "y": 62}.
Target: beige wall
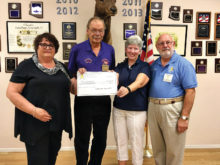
{"x": 204, "y": 130}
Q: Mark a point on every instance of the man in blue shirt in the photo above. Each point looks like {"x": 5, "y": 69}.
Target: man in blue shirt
{"x": 172, "y": 94}
{"x": 91, "y": 112}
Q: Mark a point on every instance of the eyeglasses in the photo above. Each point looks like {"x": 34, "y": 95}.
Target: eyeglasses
{"x": 97, "y": 31}
{"x": 166, "y": 42}
{"x": 45, "y": 46}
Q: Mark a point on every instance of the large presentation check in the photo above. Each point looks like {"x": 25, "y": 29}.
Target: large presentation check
{"x": 96, "y": 83}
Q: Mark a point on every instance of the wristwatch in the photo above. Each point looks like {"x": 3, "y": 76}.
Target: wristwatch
{"x": 184, "y": 117}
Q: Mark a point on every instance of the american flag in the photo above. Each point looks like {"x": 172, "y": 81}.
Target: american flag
{"x": 147, "y": 49}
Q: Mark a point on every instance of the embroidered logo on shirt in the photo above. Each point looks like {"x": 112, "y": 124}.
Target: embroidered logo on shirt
{"x": 105, "y": 61}
{"x": 88, "y": 60}
{"x": 171, "y": 69}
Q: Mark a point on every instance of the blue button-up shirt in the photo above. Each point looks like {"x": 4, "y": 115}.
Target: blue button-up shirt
{"x": 171, "y": 80}
{"x": 82, "y": 56}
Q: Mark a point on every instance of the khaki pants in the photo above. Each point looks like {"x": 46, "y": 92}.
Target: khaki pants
{"x": 167, "y": 143}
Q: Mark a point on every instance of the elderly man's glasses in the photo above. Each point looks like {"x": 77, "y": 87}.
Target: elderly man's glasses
{"x": 166, "y": 42}
{"x": 45, "y": 46}
{"x": 95, "y": 31}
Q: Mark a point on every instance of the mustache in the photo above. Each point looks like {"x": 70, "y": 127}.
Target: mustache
{"x": 165, "y": 49}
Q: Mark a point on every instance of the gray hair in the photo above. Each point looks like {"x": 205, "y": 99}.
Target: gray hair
{"x": 134, "y": 40}
{"x": 95, "y": 18}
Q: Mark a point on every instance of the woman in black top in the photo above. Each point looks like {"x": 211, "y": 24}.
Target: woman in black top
{"x": 130, "y": 103}
{"x": 39, "y": 88}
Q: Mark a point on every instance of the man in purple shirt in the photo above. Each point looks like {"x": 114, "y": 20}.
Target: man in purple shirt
{"x": 91, "y": 112}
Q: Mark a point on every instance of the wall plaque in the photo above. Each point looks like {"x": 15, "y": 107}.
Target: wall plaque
{"x": 217, "y": 65}
{"x": 129, "y": 29}
{"x": 36, "y": 9}
{"x": 156, "y": 10}
{"x": 11, "y": 64}
{"x": 66, "y": 49}
{"x": 14, "y": 10}
{"x": 174, "y": 13}
{"x": 217, "y": 26}
{"x": 203, "y": 26}
{"x": 211, "y": 48}
{"x": 187, "y": 15}
{"x": 196, "y": 48}
{"x": 201, "y": 65}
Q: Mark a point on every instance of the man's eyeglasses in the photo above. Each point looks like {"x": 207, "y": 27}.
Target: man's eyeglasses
{"x": 97, "y": 31}
{"x": 166, "y": 42}
{"x": 45, "y": 46}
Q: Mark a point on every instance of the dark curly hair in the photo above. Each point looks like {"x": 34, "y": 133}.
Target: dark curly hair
{"x": 50, "y": 37}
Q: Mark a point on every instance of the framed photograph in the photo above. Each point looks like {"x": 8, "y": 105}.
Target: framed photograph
{"x": 217, "y": 65}
{"x": 129, "y": 29}
{"x": 211, "y": 48}
{"x": 178, "y": 32}
{"x": 11, "y": 64}
{"x": 20, "y": 35}
{"x": 36, "y": 9}
{"x": 14, "y": 10}
{"x": 196, "y": 48}
{"x": 67, "y": 46}
{"x": 69, "y": 30}
{"x": 201, "y": 65}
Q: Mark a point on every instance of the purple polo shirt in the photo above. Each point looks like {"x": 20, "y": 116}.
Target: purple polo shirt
{"x": 82, "y": 56}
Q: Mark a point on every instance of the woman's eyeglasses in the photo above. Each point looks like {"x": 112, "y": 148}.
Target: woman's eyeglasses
{"x": 45, "y": 46}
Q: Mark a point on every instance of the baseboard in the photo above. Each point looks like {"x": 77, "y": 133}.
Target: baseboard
{"x": 207, "y": 146}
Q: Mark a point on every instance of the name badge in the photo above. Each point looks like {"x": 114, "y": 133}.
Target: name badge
{"x": 105, "y": 68}
{"x": 168, "y": 77}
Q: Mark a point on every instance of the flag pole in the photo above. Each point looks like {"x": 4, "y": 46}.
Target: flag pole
{"x": 147, "y": 151}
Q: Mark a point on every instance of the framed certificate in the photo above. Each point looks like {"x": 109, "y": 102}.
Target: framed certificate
{"x": 20, "y": 35}
{"x": 69, "y": 30}
{"x": 11, "y": 64}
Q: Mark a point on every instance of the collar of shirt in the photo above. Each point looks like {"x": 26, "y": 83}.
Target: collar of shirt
{"x": 136, "y": 62}
{"x": 172, "y": 59}
{"x": 89, "y": 48}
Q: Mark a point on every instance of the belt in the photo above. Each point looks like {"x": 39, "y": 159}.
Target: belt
{"x": 165, "y": 100}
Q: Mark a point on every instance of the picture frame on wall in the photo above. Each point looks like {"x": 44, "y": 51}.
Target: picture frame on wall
{"x": 14, "y": 10}
{"x": 69, "y": 30}
{"x": 20, "y": 35}
{"x": 36, "y": 9}
{"x": 178, "y": 32}
{"x": 11, "y": 64}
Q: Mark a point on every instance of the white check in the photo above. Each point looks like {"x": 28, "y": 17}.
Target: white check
{"x": 96, "y": 83}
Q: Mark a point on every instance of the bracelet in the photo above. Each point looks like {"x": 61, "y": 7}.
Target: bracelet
{"x": 34, "y": 113}
{"x": 129, "y": 89}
